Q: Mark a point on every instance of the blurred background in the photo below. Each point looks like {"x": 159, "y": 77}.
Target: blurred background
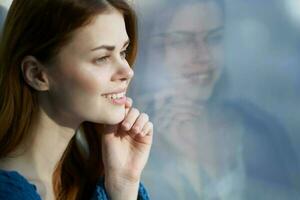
{"x": 219, "y": 79}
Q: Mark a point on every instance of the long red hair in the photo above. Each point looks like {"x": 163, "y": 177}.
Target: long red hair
{"x": 41, "y": 28}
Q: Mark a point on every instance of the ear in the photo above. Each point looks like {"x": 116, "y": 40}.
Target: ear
{"x": 34, "y": 73}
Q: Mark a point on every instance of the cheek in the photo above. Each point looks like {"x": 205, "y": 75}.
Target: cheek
{"x": 176, "y": 59}
{"x": 218, "y": 55}
{"x": 74, "y": 87}
{"x": 91, "y": 81}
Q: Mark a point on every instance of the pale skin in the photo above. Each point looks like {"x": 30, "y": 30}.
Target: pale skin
{"x": 196, "y": 72}
{"x": 201, "y": 48}
{"x": 194, "y": 57}
{"x": 71, "y": 91}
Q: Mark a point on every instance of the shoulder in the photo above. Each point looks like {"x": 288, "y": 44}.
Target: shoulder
{"x": 14, "y": 186}
{"x": 266, "y": 143}
{"x": 252, "y": 114}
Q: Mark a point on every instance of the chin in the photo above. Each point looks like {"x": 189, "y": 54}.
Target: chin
{"x": 115, "y": 117}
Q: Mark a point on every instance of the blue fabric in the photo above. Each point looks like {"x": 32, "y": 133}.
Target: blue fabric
{"x": 100, "y": 193}
{"x": 13, "y": 186}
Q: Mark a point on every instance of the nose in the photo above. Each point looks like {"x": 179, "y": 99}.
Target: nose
{"x": 123, "y": 73}
{"x": 202, "y": 53}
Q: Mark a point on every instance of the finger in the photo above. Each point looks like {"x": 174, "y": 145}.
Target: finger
{"x": 147, "y": 129}
{"x": 128, "y": 103}
{"x": 130, "y": 118}
{"x": 140, "y": 123}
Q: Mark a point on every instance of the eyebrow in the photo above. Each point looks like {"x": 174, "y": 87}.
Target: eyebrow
{"x": 180, "y": 32}
{"x": 219, "y": 29}
{"x": 109, "y": 47}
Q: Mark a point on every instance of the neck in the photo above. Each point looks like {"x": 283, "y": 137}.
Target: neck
{"x": 44, "y": 149}
{"x": 49, "y": 143}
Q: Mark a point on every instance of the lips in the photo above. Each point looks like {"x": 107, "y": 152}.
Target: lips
{"x": 116, "y": 91}
{"x": 198, "y": 69}
{"x": 117, "y": 98}
{"x": 199, "y": 75}
{"x": 115, "y": 95}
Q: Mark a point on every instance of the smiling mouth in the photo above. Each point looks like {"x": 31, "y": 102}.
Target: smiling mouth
{"x": 115, "y": 95}
{"x": 207, "y": 76}
{"x": 116, "y": 98}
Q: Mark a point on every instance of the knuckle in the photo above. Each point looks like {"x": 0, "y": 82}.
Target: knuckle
{"x": 129, "y": 100}
{"x": 145, "y": 116}
{"x": 150, "y": 124}
{"x": 135, "y": 111}
{"x": 135, "y": 127}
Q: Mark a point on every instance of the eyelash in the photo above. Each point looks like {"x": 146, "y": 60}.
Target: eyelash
{"x": 215, "y": 39}
{"x": 102, "y": 59}
{"x": 106, "y": 58}
{"x": 124, "y": 54}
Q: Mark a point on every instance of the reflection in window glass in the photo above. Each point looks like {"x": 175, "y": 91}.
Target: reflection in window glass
{"x": 219, "y": 80}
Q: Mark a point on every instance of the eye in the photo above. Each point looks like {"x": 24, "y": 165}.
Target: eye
{"x": 123, "y": 54}
{"x": 180, "y": 39}
{"x": 215, "y": 39}
{"x": 102, "y": 59}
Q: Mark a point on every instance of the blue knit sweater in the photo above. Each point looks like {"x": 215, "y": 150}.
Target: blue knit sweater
{"x": 13, "y": 186}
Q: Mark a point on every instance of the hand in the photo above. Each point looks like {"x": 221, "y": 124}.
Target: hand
{"x": 126, "y": 146}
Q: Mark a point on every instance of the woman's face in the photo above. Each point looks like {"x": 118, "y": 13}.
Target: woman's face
{"x": 193, "y": 49}
{"x": 90, "y": 71}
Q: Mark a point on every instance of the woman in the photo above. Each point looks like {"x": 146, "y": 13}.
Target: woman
{"x": 207, "y": 147}
{"x": 68, "y": 131}
{"x": 190, "y": 53}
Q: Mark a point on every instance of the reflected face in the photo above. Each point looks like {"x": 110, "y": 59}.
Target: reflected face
{"x": 90, "y": 75}
{"x": 194, "y": 49}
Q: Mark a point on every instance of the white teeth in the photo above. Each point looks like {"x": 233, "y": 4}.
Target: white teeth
{"x": 203, "y": 76}
{"x": 118, "y": 96}
{"x": 115, "y": 96}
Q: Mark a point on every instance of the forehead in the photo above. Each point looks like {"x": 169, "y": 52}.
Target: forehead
{"x": 106, "y": 28}
{"x": 198, "y": 17}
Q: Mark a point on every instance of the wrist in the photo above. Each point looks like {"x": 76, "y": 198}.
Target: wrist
{"x": 117, "y": 180}
{"x": 119, "y": 187}
{"x": 124, "y": 176}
